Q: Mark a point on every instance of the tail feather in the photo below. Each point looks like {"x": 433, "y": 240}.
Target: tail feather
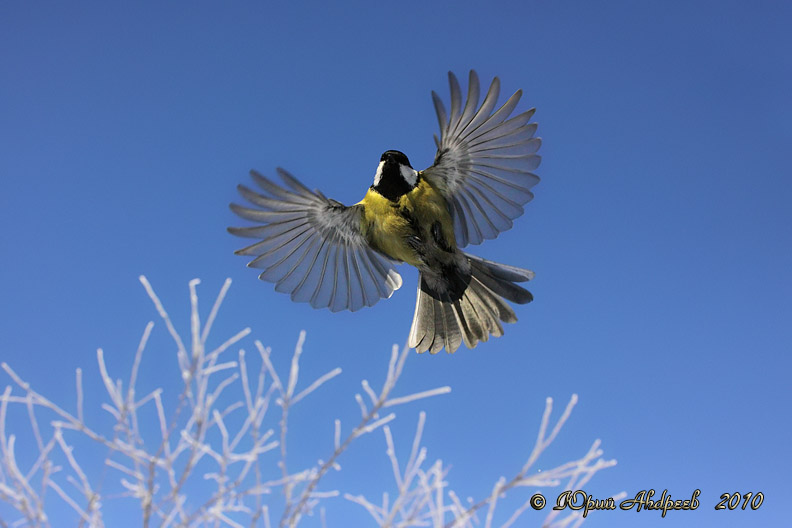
{"x": 501, "y": 279}
{"x": 453, "y": 337}
{"x": 421, "y": 333}
{"x": 441, "y": 321}
{"x": 501, "y": 271}
{"x": 468, "y": 321}
{"x": 495, "y": 307}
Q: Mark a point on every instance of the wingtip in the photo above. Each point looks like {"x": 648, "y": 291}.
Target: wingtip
{"x": 287, "y": 177}
{"x": 259, "y": 178}
{"x": 262, "y": 181}
{"x": 245, "y": 192}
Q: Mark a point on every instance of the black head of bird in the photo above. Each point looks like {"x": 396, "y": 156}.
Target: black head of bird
{"x": 332, "y": 256}
{"x": 395, "y": 176}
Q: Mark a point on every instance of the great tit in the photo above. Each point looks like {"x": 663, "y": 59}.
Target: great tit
{"x": 333, "y": 256}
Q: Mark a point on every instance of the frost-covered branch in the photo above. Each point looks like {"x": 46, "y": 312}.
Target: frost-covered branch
{"x": 210, "y": 451}
{"x": 421, "y": 493}
{"x": 368, "y": 423}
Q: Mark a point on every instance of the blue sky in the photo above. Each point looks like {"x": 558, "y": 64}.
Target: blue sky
{"x": 660, "y": 233}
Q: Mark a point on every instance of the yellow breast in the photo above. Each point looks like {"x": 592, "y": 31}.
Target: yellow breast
{"x": 388, "y": 225}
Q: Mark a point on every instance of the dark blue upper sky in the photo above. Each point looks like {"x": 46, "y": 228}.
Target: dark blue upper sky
{"x": 660, "y": 233}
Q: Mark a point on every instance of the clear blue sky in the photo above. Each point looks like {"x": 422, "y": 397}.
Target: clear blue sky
{"x": 660, "y": 234}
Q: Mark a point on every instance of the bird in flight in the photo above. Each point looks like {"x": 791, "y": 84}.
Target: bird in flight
{"x": 343, "y": 257}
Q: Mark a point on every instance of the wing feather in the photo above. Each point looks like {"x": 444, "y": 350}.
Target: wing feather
{"x": 484, "y": 160}
{"x": 294, "y": 274}
{"x": 470, "y": 105}
{"x": 312, "y": 247}
{"x": 305, "y": 289}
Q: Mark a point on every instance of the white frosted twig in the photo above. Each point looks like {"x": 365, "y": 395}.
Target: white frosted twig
{"x": 265, "y": 358}
{"x": 373, "y": 510}
{"x": 214, "y": 354}
{"x": 285, "y": 402}
{"x": 316, "y": 384}
{"x": 417, "y": 396}
{"x": 438, "y": 490}
{"x": 363, "y": 410}
{"x": 26, "y": 500}
{"x": 144, "y": 400}
{"x": 181, "y": 350}
{"x": 136, "y": 365}
{"x": 295, "y": 365}
{"x": 514, "y": 516}
{"x": 177, "y": 509}
{"x": 245, "y": 384}
{"x": 391, "y": 452}
{"x": 215, "y": 308}
{"x": 73, "y": 462}
{"x": 71, "y": 502}
{"x": 378, "y": 423}
{"x": 392, "y": 363}
{"x": 494, "y": 496}
{"x": 369, "y": 391}
{"x": 108, "y": 382}
{"x": 324, "y": 494}
{"x": 195, "y": 320}
{"x": 414, "y": 462}
{"x": 265, "y": 515}
{"x": 115, "y": 465}
{"x": 78, "y": 383}
{"x": 41, "y": 461}
{"x": 217, "y": 368}
{"x": 34, "y": 423}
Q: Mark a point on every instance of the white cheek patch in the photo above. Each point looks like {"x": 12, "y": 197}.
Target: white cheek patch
{"x": 410, "y": 175}
{"x": 378, "y": 174}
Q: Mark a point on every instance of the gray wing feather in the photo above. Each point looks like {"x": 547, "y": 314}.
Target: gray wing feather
{"x": 311, "y": 247}
{"x": 484, "y": 160}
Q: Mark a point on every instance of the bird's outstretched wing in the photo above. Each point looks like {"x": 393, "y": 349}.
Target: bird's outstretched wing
{"x": 311, "y": 247}
{"x": 484, "y": 161}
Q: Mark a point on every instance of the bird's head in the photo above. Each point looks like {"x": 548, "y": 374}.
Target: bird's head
{"x": 395, "y": 176}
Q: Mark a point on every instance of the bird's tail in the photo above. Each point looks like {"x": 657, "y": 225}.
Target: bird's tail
{"x": 444, "y": 321}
